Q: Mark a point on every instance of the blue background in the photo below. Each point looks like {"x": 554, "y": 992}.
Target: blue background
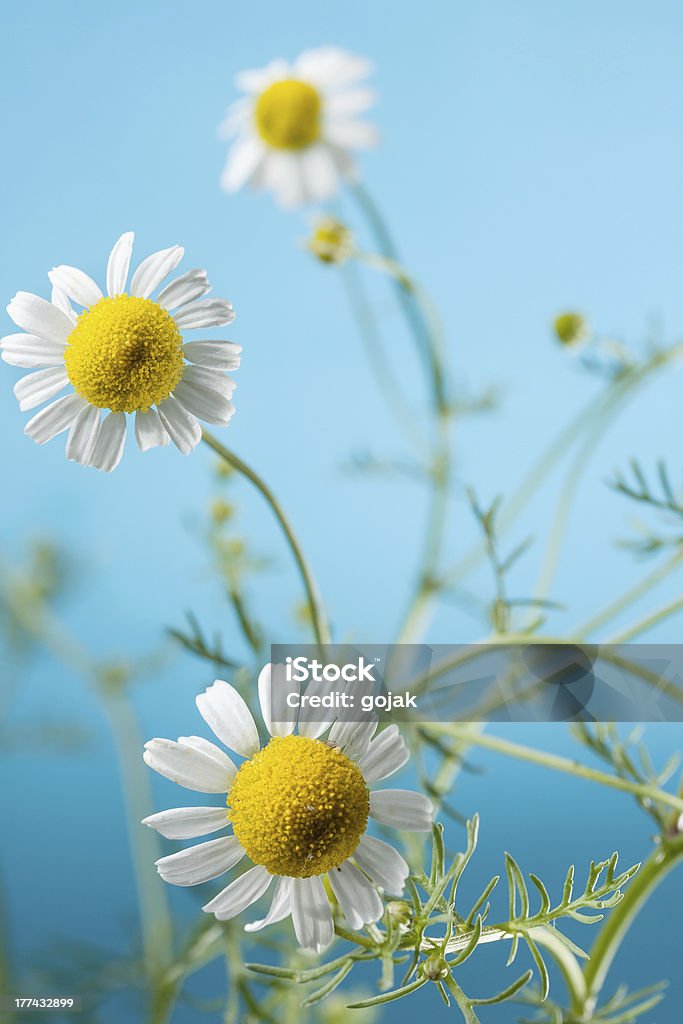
{"x": 530, "y": 161}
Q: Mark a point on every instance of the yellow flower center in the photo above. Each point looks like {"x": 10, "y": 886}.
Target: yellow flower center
{"x": 124, "y": 354}
{"x": 299, "y": 806}
{"x": 288, "y": 114}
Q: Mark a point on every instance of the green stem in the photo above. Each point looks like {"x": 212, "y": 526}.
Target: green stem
{"x": 155, "y": 921}
{"x": 387, "y": 381}
{"x": 632, "y": 595}
{"x": 318, "y": 619}
{"x": 617, "y": 925}
{"x": 648, "y": 622}
{"x": 557, "y": 763}
{"x": 424, "y": 324}
{"x": 616, "y": 393}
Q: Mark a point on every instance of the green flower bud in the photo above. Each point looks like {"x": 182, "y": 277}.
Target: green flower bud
{"x": 434, "y": 968}
{"x": 570, "y": 328}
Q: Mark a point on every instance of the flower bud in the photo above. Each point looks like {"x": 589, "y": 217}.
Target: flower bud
{"x": 434, "y": 968}
{"x": 570, "y": 328}
{"x": 331, "y": 241}
{"x": 399, "y": 912}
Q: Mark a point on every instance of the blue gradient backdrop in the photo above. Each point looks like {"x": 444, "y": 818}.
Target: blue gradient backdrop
{"x": 531, "y": 160}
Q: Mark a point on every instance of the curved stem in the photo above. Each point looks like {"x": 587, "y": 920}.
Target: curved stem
{"x": 617, "y": 925}
{"x": 318, "y": 619}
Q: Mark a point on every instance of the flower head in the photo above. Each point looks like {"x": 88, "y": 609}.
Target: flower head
{"x": 122, "y": 353}
{"x": 298, "y": 808}
{"x": 298, "y": 124}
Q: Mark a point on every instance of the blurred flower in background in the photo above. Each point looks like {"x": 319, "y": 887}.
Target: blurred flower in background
{"x": 123, "y": 352}
{"x": 298, "y": 124}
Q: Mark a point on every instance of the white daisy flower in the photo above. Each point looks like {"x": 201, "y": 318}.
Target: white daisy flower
{"x": 298, "y": 808}
{"x": 122, "y": 352}
{"x": 297, "y": 125}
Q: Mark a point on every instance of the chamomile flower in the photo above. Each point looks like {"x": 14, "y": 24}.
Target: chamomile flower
{"x": 298, "y": 809}
{"x": 122, "y": 353}
{"x": 298, "y": 124}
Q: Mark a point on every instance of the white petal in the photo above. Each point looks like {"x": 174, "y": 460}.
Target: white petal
{"x": 239, "y": 114}
{"x": 201, "y": 863}
{"x": 280, "y": 908}
{"x": 354, "y": 737}
{"x": 119, "y": 264}
{"x": 204, "y": 403}
{"x": 54, "y": 418}
{"x": 282, "y": 175}
{"x": 108, "y": 450}
{"x": 311, "y": 913}
{"x": 382, "y": 863}
{"x": 244, "y": 161}
{"x": 386, "y": 754}
{"x": 204, "y": 313}
{"x": 60, "y": 299}
{"x": 240, "y": 894}
{"x": 319, "y": 174}
{"x": 226, "y": 713}
{"x": 402, "y": 808}
{"x": 210, "y": 750}
{"x": 313, "y": 721}
{"x": 149, "y": 430}
{"x": 332, "y": 67}
{"x": 185, "y": 288}
{"x": 35, "y": 388}
{"x": 83, "y": 435}
{"x": 78, "y": 285}
{"x": 188, "y": 767}
{"x": 183, "y": 428}
{"x": 272, "y": 677}
{"x": 154, "y": 269}
{"x": 28, "y": 350}
{"x": 188, "y": 822}
{"x": 218, "y": 355}
{"x": 38, "y": 316}
{"x": 255, "y": 80}
{"x": 358, "y": 898}
{"x": 207, "y": 378}
{"x": 350, "y": 101}
{"x": 346, "y": 133}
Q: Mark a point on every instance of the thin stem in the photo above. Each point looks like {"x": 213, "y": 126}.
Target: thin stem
{"x": 424, "y": 324}
{"x": 387, "y": 381}
{"x": 620, "y": 391}
{"x": 313, "y": 600}
{"x": 155, "y": 921}
{"x": 557, "y": 763}
{"x": 646, "y": 623}
{"x": 632, "y": 595}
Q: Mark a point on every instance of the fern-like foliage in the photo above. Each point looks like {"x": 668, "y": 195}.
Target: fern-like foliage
{"x": 429, "y": 936}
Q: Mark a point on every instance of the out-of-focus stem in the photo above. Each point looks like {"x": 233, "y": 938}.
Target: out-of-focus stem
{"x": 424, "y": 324}
{"x": 557, "y": 763}
{"x": 634, "y": 594}
{"x": 318, "y": 618}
